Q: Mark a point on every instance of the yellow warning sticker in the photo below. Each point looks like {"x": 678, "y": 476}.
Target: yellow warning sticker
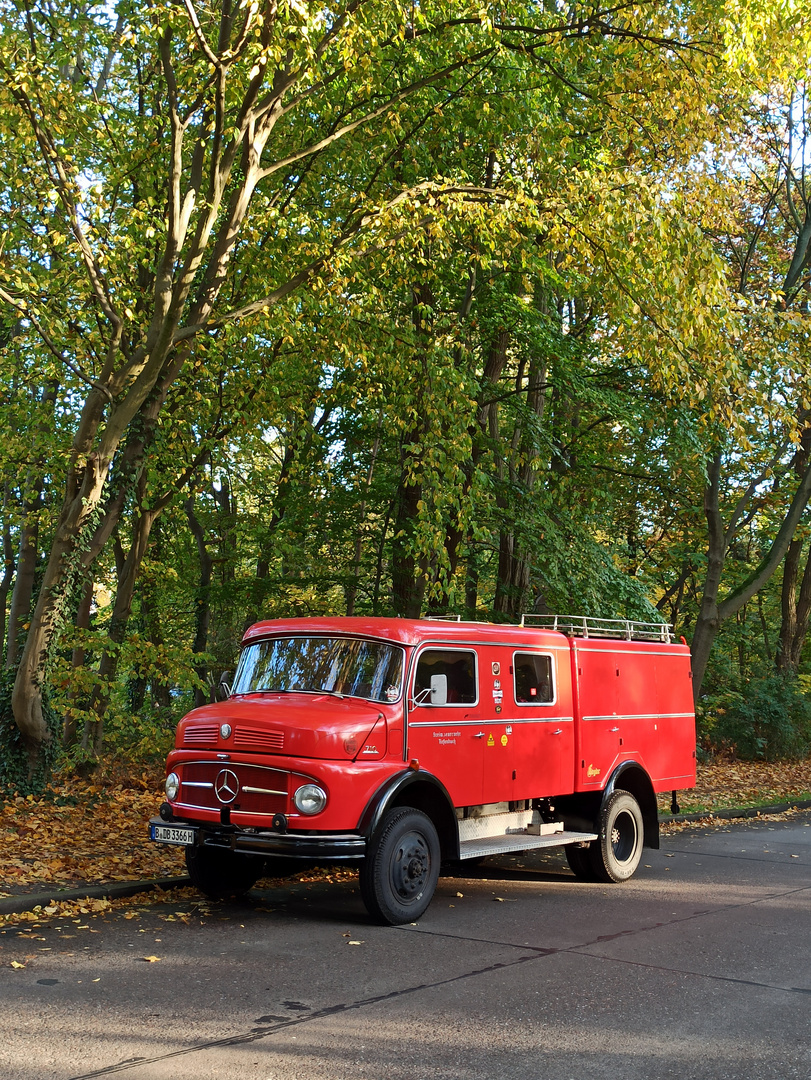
{"x": 490, "y": 740}
{"x": 504, "y": 740}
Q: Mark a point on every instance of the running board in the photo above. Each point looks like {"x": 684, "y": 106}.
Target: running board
{"x": 515, "y": 842}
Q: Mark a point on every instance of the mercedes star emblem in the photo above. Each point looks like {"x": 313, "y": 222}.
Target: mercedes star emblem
{"x": 226, "y": 786}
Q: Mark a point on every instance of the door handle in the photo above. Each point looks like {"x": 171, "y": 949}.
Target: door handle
{"x": 479, "y": 735}
{"x": 614, "y": 729}
{"x": 558, "y": 731}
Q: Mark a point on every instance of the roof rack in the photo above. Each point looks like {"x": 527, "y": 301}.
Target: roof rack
{"x": 443, "y": 618}
{"x": 585, "y": 626}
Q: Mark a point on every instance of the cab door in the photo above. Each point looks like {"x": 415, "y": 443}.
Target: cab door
{"x": 446, "y": 736}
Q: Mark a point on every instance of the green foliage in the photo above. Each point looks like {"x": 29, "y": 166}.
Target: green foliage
{"x": 15, "y": 775}
{"x": 442, "y": 292}
{"x": 147, "y": 735}
{"x": 769, "y": 720}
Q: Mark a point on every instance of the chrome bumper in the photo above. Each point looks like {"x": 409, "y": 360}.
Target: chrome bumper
{"x": 326, "y": 847}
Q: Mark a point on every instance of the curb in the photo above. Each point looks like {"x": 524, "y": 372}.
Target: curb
{"x": 14, "y": 905}
{"x": 731, "y": 813}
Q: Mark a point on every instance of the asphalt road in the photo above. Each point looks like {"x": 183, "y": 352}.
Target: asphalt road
{"x": 697, "y": 968}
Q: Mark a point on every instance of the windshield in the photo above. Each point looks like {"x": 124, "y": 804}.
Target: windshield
{"x": 352, "y": 666}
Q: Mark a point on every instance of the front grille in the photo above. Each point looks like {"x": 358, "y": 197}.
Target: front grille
{"x": 261, "y": 791}
{"x": 258, "y": 739}
{"x": 201, "y": 735}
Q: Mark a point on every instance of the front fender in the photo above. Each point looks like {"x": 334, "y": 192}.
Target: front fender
{"x": 422, "y": 791}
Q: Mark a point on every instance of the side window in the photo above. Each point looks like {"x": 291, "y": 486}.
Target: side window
{"x": 459, "y": 667}
{"x": 533, "y": 679}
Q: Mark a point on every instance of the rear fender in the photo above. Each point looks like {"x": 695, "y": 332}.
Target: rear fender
{"x": 581, "y": 811}
{"x": 631, "y": 777}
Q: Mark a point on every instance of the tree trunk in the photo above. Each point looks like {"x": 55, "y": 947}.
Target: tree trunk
{"x": 298, "y": 444}
{"x": 202, "y": 600}
{"x": 514, "y": 560}
{"x": 77, "y": 660}
{"x": 66, "y": 561}
{"x": 27, "y": 556}
{"x": 713, "y": 612}
{"x": 8, "y": 566}
{"x": 796, "y": 610}
{"x": 673, "y": 596}
{"x": 407, "y": 572}
{"x": 93, "y": 738}
{"x": 351, "y": 591}
{"x": 708, "y": 619}
{"x": 471, "y": 588}
{"x": 26, "y": 573}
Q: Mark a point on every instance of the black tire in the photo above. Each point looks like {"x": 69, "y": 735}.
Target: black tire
{"x": 220, "y": 873}
{"x": 580, "y": 862}
{"x": 399, "y": 874}
{"x": 616, "y": 853}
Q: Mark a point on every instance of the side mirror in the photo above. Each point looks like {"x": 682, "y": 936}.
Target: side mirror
{"x": 224, "y": 685}
{"x": 439, "y": 689}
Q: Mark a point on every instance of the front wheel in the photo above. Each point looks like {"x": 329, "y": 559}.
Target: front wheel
{"x": 401, "y": 868}
{"x": 220, "y": 873}
{"x": 616, "y": 853}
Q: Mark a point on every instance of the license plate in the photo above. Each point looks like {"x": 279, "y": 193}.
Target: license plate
{"x": 171, "y": 834}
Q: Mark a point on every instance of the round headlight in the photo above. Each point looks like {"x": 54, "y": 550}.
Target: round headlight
{"x": 172, "y": 786}
{"x": 310, "y": 799}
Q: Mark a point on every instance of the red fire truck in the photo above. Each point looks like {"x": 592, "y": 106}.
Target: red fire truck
{"x": 399, "y": 744}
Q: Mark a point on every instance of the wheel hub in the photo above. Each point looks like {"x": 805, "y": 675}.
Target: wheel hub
{"x": 410, "y": 867}
{"x": 623, "y": 837}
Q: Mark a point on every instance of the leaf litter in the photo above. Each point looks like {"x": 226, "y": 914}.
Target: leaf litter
{"x": 80, "y": 833}
{"x": 731, "y": 784}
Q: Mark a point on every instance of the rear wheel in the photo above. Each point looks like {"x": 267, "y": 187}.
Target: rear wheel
{"x": 399, "y": 874}
{"x": 616, "y": 853}
{"x": 220, "y": 873}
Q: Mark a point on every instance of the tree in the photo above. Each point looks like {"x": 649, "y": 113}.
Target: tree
{"x": 765, "y": 237}
{"x": 193, "y": 167}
